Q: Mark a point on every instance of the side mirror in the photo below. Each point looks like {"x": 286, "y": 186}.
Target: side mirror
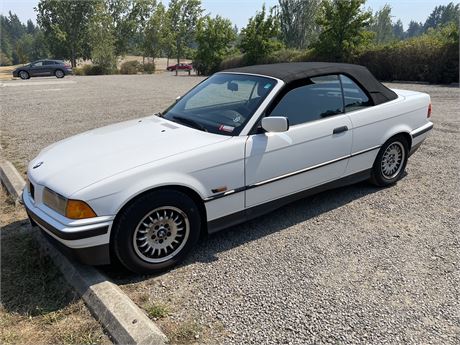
{"x": 178, "y": 98}
{"x": 275, "y": 124}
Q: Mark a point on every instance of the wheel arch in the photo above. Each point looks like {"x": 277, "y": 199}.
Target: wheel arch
{"x": 190, "y": 192}
{"x": 403, "y": 131}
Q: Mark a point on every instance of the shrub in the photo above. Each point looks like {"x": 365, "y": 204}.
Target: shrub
{"x": 432, "y": 57}
{"x": 78, "y": 71}
{"x": 233, "y": 62}
{"x": 130, "y": 67}
{"x": 149, "y": 67}
{"x": 95, "y": 70}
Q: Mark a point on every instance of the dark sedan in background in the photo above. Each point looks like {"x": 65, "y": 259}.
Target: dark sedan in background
{"x": 43, "y": 68}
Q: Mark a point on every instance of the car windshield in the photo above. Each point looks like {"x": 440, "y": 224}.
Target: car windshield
{"x": 221, "y": 104}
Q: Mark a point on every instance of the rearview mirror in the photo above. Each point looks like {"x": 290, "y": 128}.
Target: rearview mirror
{"x": 232, "y": 86}
{"x": 275, "y": 124}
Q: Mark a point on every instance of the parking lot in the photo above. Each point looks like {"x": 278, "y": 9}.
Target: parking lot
{"x": 353, "y": 265}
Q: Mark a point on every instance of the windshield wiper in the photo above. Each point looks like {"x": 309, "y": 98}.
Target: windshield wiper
{"x": 190, "y": 122}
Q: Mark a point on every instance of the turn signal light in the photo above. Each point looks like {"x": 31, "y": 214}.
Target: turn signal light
{"x": 429, "y": 111}
{"x": 77, "y": 209}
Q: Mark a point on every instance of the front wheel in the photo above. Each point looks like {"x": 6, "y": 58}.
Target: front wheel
{"x": 156, "y": 231}
{"x": 391, "y": 161}
{"x": 24, "y": 75}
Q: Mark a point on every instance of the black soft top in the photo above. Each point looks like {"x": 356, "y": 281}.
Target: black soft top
{"x": 294, "y": 71}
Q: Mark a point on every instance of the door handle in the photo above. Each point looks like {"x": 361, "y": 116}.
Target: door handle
{"x": 340, "y": 130}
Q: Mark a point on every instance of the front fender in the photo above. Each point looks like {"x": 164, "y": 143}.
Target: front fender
{"x": 119, "y": 192}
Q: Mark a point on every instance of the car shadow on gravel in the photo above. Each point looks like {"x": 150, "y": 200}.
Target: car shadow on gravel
{"x": 279, "y": 220}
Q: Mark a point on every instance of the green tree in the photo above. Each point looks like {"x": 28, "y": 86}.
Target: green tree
{"x": 443, "y": 15}
{"x": 382, "y": 26}
{"x": 157, "y": 32}
{"x": 183, "y": 19}
{"x": 39, "y": 46}
{"x": 260, "y": 37}
{"x": 6, "y": 49}
{"x": 20, "y": 43}
{"x": 31, "y": 28}
{"x": 298, "y": 22}
{"x": 398, "y": 30}
{"x": 124, "y": 23}
{"x": 101, "y": 38}
{"x": 343, "y": 24}
{"x": 141, "y": 13}
{"x": 24, "y": 48}
{"x": 414, "y": 29}
{"x": 65, "y": 24}
{"x": 214, "y": 38}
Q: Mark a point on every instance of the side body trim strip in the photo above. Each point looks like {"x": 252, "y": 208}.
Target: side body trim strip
{"x": 259, "y": 210}
{"x": 281, "y": 177}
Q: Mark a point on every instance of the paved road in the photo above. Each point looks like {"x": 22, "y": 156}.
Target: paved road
{"x": 354, "y": 265}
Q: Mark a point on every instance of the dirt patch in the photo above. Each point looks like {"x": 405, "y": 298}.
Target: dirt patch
{"x": 37, "y": 305}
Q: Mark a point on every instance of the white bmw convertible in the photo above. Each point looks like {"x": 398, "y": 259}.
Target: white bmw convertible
{"x": 238, "y": 145}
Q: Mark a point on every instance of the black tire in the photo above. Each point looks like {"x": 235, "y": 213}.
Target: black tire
{"x": 382, "y": 177}
{"x": 24, "y": 75}
{"x": 125, "y": 241}
{"x": 59, "y": 73}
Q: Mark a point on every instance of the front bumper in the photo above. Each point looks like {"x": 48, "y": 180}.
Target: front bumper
{"x": 86, "y": 241}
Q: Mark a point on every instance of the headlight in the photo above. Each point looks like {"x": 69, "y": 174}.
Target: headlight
{"x": 54, "y": 201}
{"x": 73, "y": 209}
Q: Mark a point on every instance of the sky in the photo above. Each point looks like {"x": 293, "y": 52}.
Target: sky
{"x": 239, "y": 11}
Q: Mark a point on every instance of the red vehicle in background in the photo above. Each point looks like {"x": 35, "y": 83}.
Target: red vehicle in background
{"x": 180, "y": 67}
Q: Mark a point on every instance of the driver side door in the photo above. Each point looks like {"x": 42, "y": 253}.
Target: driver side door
{"x": 312, "y": 152}
{"x": 37, "y": 69}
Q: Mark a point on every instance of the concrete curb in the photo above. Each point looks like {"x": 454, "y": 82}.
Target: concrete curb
{"x": 12, "y": 180}
{"x": 125, "y": 322}
{"x": 118, "y": 314}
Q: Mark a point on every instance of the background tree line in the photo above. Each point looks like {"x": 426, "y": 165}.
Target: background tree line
{"x": 294, "y": 30}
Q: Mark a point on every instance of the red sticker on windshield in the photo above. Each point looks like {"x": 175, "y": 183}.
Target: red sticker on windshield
{"x": 225, "y": 128}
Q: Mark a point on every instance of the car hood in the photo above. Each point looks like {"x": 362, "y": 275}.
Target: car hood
{"x": 79, "y": 161}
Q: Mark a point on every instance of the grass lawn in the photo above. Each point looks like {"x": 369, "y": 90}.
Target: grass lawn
{"x": 37, "y": 306}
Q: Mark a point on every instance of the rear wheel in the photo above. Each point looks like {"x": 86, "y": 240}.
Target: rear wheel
{"x": 24, "y": 75}
{"x": 156, "y": 231}
{"x": 59, "y": 73}
{"x": 390, "y": 162}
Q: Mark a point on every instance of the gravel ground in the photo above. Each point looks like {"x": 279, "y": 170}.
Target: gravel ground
{"x": 353, "y": 265}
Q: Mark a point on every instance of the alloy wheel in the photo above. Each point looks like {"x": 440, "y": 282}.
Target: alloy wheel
{"x": 161, "y": 234}
{"x": 392, "y": 160}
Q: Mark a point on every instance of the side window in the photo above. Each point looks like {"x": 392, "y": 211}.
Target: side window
{"x": 355, "y": 98}
{"x": 46, "y": 63}
{"x": 38, "y": 64}
{"x": 315, "y": 99}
